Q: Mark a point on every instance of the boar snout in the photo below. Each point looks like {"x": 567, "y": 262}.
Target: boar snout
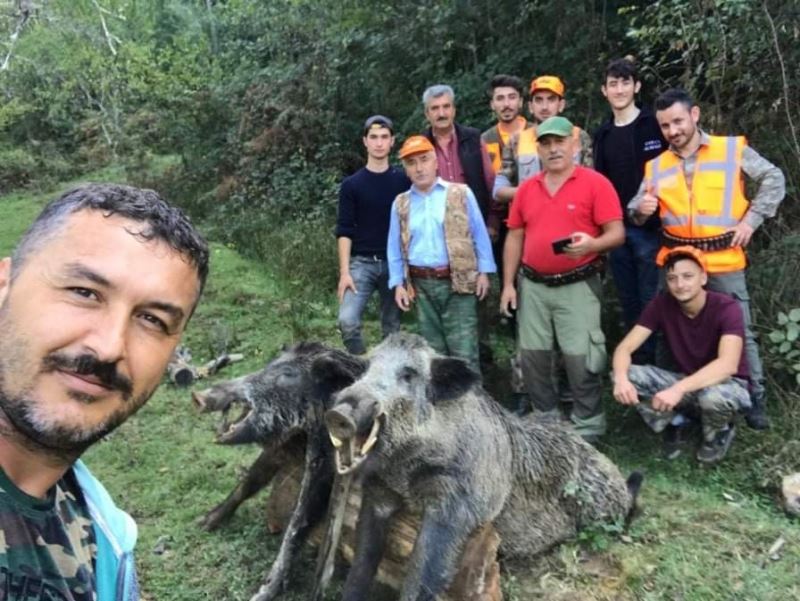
{"x": 351, "y": 446}
{"x": 340, "y": 422}
{"x": 211, "y": 399}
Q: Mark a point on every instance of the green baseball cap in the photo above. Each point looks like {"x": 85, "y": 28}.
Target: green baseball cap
{"x": 555, "y": 126}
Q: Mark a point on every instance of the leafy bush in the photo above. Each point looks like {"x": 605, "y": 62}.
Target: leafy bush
{"x": 785, "y": 344}
{"x": 17, "y": 168}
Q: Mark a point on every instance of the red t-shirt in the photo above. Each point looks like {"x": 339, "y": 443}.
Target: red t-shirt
{"x": 584, "y": 203}
{"x": 694, "y": 341}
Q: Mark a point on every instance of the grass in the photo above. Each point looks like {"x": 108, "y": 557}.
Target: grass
{"x": 703, "y": 534}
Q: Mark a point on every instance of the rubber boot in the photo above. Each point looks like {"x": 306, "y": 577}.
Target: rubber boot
{"x": 537, "y": 372}
{"x": 757, "y": 418}
{"x": 587, "y": 411}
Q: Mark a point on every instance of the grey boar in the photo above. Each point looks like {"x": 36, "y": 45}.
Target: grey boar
{"x": 283, "y": 410}
{"x": 425, "y": 436}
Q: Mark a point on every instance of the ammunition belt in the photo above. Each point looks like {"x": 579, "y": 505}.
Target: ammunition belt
{"x": 584, "y": 272}
{"x": 711, "y": 243}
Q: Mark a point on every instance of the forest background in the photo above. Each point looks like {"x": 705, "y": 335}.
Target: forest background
{"x": 249, "y": 113}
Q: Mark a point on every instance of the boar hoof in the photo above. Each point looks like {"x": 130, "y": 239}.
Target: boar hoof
{"x": 270, "y": 589}
{"x": 214, "y": 519}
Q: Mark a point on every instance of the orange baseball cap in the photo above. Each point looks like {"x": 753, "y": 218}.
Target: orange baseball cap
{"x": 415, "y": 145}
{"x": 548, "y": 82}
{"x": 695, "y": 253}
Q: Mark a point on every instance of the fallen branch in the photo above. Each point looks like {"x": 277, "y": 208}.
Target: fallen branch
{"x": 182, "y": 373}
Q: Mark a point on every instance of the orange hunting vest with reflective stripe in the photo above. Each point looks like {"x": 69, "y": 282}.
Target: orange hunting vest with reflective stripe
{"x": 495, "y": 141}
{"x": 715, "y": 203}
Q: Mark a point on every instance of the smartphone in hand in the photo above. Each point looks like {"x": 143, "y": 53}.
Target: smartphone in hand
{"x": 560, "y": 245}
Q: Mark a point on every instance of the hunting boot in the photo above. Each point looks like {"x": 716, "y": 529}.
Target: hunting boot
{"x": 537, "y": 374}
{"x": 757, "y": 418}
{"x": 714, "y": 450}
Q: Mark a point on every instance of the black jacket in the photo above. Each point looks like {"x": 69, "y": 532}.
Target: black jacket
{"x": 648, "y": 144}
{"x": 469, "y": 153}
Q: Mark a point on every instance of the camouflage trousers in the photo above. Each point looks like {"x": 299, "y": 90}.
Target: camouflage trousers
{"x": 448, "y": 320}
{"x": 717, "y": 404}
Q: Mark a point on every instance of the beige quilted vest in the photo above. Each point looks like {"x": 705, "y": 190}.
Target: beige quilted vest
{"x": 457, "y": 236}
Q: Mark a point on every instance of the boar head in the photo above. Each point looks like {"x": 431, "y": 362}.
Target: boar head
{"x": 393, "y": 399}
{"x": 286, "y": 396}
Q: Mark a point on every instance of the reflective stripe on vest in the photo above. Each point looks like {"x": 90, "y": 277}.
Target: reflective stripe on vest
{"x": 528, "y": 163}
{"x": 493, "y": 150}
{"x": 715, "y": 203}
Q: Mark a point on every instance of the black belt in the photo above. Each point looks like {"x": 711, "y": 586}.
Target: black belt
{"x": 584, "y": 272}
{"x": 710, "y": 243}
{"x": 374, "y": 258}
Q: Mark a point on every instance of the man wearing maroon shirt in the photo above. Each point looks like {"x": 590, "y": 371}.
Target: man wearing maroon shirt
{"x": 560, "y": 222}
{"x": 705, "y": 333}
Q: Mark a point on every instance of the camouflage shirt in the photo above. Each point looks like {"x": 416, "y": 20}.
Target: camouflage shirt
{"x": 47, "y": 546}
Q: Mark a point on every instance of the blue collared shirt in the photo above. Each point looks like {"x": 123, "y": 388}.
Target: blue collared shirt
{"x": 427, "y": 247}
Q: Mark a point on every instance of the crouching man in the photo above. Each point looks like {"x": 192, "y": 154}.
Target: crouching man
{"x": 439, "y": 253}
{"x": 705, "y": 333}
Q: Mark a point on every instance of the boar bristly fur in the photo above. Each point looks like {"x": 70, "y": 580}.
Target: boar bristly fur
{"x": 283, "y": 409}
{"x": 449, "y": 451}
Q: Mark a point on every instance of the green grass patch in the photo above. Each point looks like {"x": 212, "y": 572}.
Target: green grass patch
{"x": 703, "y": 534}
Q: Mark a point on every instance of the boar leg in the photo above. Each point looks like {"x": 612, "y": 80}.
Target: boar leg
{"x": 437, "y": 551}
{"x": 257, "y": 477}
{"x": 312, "y": 501}
{"x": 374, "y": 517}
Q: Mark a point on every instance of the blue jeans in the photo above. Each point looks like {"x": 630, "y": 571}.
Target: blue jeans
{"x": 635, "y": 272}
{"x": 369, "y": 274}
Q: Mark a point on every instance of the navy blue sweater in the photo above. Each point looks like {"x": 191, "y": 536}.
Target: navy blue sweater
{"x": 365, "y": 204}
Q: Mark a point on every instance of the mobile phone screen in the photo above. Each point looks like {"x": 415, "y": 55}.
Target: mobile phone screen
{"x": 560, "y": 245}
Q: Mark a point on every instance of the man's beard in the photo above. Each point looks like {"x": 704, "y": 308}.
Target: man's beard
{"x": 26, "y": 419}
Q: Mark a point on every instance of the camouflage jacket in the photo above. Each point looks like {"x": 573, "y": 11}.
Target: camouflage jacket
{"x": 74, "y": 546}
{"x": 518, "y": 166}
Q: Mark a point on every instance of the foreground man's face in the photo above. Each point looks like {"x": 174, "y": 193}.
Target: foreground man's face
{"x": 88, "y": 327}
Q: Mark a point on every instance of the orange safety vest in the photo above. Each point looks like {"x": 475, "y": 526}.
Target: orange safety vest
{"x": 495, "y": 141}
{"x": 715, "y": 203}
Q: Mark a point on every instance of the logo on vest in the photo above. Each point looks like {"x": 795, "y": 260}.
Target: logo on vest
{"x": 652, "y": 145}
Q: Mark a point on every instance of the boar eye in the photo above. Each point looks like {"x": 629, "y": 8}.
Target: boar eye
{"x": 285, "y": 378}
{"x": 407, "y": 374}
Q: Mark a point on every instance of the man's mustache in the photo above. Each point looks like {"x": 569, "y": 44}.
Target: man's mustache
{"x": 89, "y": 365}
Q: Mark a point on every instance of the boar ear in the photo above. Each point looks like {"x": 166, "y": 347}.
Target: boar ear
{"x": 450, "y": 378}
{"x": 334, "y": 370}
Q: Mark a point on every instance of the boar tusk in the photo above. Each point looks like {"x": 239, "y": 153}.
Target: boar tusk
{"x": 336, "y": 442}
{"x": 373, "y": 437}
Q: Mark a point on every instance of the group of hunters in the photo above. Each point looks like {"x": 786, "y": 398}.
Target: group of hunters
{"x": 547, "y": 207}
{"x": 89, "y": 322}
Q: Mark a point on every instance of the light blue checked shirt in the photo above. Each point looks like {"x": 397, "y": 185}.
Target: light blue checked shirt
{"x": 427, "y": 246}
